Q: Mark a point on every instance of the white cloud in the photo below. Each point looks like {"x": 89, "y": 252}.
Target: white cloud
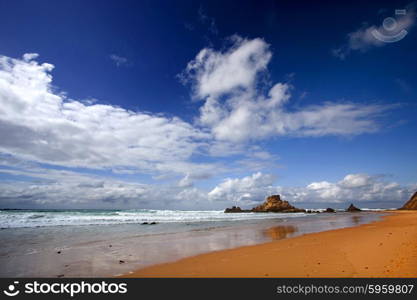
{"x": 215, "y": 73}
{"x": 246, "y": 190}
{"x": 352, "y": 188}
{"x": 236, "y": 110}
{"x": 61, "y": 188}
{"x": 356, "y": 188}
{"x": 186, "y": 181}
{"x": 356, "y": 180}
{"x": 367, "y": 36}
{"x": 39, "y": 124}
{"x": 119, "y": 60}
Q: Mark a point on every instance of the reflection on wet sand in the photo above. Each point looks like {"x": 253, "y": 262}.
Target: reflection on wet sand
{"x": 356, "y": 220}
{"x": 280, "y": 232}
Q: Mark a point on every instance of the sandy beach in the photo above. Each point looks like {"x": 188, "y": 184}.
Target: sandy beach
{"x": 385, "y": 248}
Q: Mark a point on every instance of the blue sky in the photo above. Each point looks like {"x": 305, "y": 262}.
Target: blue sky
{"x": 200, "y": 105}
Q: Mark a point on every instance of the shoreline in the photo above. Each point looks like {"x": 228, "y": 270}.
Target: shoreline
{"x": 83, "y": 251}
{"x": 383, "y": 248}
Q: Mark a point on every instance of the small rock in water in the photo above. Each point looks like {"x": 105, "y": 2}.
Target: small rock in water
{"x": 153, "y": 223}
{"x": 145, "y": 223}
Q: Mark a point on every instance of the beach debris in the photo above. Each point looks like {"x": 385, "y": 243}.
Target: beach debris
{"x": 272, "y": 204}
{"x": 412, "y": 203}
{"x": 149, "y": 223}
{"x": 310, "y": 211}
{"x": 121, "y": 261}
{"x": 353, "y": 208}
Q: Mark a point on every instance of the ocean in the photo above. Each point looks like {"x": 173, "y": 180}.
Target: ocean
{"x": 77, "y": 217}
{"x": 91, "y": 243}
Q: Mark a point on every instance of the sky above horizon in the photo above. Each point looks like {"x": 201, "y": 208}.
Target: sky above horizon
{"x": 205, "y": 104}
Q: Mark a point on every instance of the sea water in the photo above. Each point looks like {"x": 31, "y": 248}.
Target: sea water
{"x": 89, "y": 243}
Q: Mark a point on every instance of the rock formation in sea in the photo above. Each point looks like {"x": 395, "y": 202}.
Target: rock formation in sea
{"x": 272, "y": 204}
{"x": 329, "y": 210}
{"x": 412, "y": 203}
{"x": 275, "y": 204}
{"x": 234, "y": 209}
{"x": 352, "y": 208}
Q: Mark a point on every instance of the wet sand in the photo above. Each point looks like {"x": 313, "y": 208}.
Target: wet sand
{"x": 386, "y": 248}
{"x": 85, "y": 251}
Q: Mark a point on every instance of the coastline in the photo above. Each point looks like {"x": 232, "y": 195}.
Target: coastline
{"x": 383, "y": 248}
{"x": 81, "y": 249}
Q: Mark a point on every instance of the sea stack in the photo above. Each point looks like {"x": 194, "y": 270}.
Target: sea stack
{"x": 234, "y": 209}
{"x": 275, "y": 204}
{"x": 412, "y": 203}
{"x": 352, "y": 208}
{"x": 272, "y": 204}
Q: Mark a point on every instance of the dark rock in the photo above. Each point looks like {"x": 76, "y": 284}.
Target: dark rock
{"x": 121, "y": 261}
{"x": 60, "y": 275}
{"x": 272, "y": 204}
{"x": 59, "y": 252}
{"x": 352, "y": 208}
{"x": 329, "y": 210}
{"x": 145, "y": 223}
{"x": 412, "y": 203}
{"x": 153, "y": 223}
{"x": 234, "y": 209}
{"x": 275, "y": 204}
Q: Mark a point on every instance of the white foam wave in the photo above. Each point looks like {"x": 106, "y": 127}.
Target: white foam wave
{"x": 14, "y": 219}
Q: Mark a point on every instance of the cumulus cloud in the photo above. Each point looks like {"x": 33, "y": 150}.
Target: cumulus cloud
{"x": 215, "y": 73}
{"x": 62, "y": 188}
{"x": 357, "y": 188}
{"x": 39, "y": 124}
{"x": 369, "y": 36}
{"x": 235, "y": 105}
{"x": 246, "y": 190}
{"x": 352, "y": 188}
{"x": 54, "y": 188}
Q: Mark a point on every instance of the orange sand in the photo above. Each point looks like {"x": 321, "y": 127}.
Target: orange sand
{"x": 386, "y": 248}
